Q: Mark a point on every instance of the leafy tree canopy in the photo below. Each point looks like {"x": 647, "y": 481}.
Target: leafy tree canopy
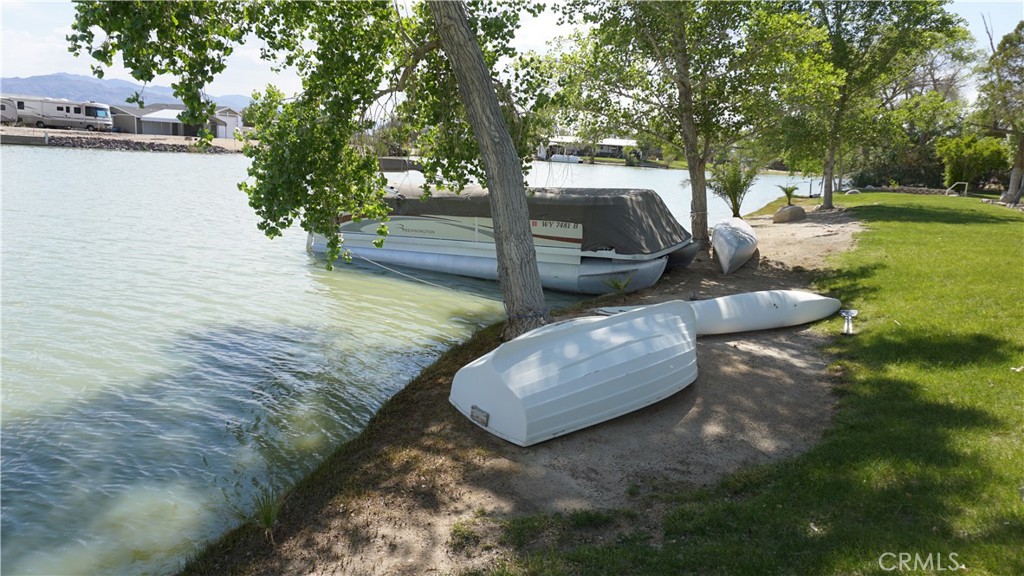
{"x": 1001, "y": 102}
{"x": 695, "y": 76}
{"x": 868, "y": 45}
{"x": 360, "y": 63}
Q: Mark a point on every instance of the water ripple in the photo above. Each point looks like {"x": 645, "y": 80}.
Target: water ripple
{"x": 160, "y": 357}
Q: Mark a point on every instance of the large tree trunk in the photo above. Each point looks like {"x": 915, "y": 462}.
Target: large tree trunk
{"x": 698, "y": 200}
{"x": 517, "y": 259}
{"x": 1013, "y": 193}
{"x": 695, "y": 159}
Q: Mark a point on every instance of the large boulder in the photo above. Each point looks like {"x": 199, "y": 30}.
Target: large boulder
{"x": 789, "y": 214}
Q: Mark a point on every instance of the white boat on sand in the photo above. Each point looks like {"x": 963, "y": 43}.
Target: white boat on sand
{"x": 764, "y": 310}
{"x": 588, "y": 241}
{"x": 570, "y": 375}
{"x": 734, "y": 242}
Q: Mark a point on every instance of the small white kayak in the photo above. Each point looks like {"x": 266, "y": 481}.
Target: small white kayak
{"x": 734, "y": 242}
{"x": 570, "y": 375}
{"x": 763, "y": 310}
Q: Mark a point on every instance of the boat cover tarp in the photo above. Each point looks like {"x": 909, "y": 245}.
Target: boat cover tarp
{"x": 628, "y": 221}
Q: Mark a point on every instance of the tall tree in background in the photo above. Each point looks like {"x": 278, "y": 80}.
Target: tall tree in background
{"x": 1001, "y": 102}
{"x": 921, "y": 101}
{"x": 865, "y": 41}
{"x": 351, "y": 57}
{"x": 699, "y": 76}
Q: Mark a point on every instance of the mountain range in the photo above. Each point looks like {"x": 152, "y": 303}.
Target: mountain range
{"x": 114, "y": 92}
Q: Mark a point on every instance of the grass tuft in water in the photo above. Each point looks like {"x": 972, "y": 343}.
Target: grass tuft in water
{"x": 267, "y": 504}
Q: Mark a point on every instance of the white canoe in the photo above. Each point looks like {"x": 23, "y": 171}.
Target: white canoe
{"x": 763, "y": 310}
{"x": 734, "y": 242}
{"x": 567, "y": 376}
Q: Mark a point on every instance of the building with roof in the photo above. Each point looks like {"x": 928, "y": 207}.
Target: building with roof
{"x": 573, "y": 146}
{"x": 162, "y": 120}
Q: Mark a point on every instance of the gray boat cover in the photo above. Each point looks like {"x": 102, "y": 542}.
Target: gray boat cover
{"x": 628, "y": 221}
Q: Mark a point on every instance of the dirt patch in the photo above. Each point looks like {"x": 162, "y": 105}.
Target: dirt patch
{"x": 426, "y": 492}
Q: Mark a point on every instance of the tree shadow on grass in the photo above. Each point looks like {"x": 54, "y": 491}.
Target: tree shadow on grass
{"x": 892, "y": 481}
{"x": 930, "y": 214}
{"x": 849, "y": 282}
{"x": 933, "y": 349}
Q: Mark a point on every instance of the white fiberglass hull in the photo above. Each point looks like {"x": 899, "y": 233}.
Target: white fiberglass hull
{"x": 763, "y": 310}
{"x": 568, "y": 376}
{"x": 734, "y": 242}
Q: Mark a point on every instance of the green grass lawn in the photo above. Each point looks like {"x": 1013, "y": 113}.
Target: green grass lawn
{"x": 926, "y": 457}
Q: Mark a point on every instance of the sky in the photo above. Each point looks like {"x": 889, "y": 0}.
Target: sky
{"x": 34, "y": 43}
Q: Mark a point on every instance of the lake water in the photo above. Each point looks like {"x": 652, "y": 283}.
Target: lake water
{"x": 162, "y": 358}
{"x": 672, "y": 185}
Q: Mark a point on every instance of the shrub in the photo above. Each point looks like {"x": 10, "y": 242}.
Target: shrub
{"x": 970, "y": 159}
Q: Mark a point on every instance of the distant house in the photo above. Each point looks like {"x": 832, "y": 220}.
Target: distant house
{"x": 228, "y": 122}
{"x": 607, "y": 148}
{"x": 614, "y": 147}
{"x": 162, "y": 120}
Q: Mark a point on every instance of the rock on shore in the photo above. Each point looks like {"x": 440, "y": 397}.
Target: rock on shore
{"x": 129, "y": 144}
{"x": 28, "y": 136}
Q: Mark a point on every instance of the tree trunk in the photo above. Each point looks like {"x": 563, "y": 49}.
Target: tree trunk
{"x": 839, "y": 173}
{"x": 698, "y": 200}
{"x": 829, "y": 169}
{"x": 828, "y": 172}
{"x": 517, "y": 258}
{"x": 1013, "y": 193}
{"x": 695, "y": 159}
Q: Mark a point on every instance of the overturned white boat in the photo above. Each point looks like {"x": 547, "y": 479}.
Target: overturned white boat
{"x": 764, "y": 310}
{"x": 588, "y": 241}
{"x": 734, "y": 242}
{"x": 570, "y": 375}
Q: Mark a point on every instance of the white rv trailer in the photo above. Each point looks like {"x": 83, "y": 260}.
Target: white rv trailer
{"x": 59, "y": 113}
{"x": 8, "y": 111}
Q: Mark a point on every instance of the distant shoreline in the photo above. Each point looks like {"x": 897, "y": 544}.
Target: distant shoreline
{"x": 17, "y": 135}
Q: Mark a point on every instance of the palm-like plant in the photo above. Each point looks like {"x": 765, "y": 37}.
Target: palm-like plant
{"x": 788, "y": 190}
{"x": 731, "y": 181}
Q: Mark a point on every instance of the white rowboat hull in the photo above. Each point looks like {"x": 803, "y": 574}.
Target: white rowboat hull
{"x": 567, "y": 376}
{"x": 763, "y": 310}
{"x": 734, "y": 242}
